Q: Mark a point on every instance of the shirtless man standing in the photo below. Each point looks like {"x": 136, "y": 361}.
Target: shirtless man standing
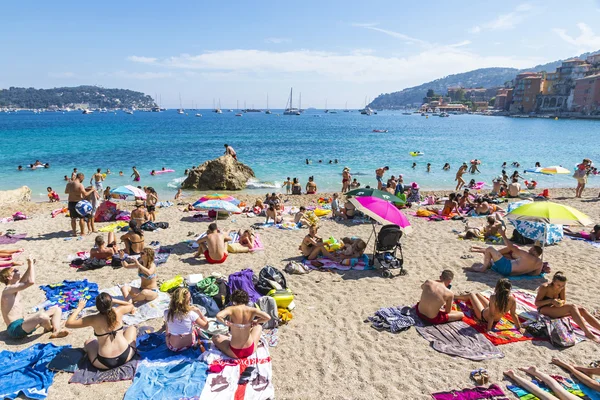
{"x": 435, "y": 295}
{"x": 97, "y": 179}
{"x": 509, "y": 261}
{"x": 213, "y": 245}
{"x": 76, "y": 193}
{"x": 379, "y": 176}
{"x": 17, "y": 325}
{"x": 459, "y": 176}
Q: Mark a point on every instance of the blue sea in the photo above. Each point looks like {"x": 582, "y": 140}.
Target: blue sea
{"x": 276, "y": 146}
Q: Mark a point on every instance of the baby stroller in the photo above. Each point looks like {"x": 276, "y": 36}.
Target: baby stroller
{"x": 387, "y": 243}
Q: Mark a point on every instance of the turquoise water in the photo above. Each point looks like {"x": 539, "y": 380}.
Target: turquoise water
{"x": 276, "y": 146}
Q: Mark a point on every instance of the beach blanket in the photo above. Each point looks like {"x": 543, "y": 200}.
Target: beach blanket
{"x": 359, "y": 264}
{"x": 12, "y": 239}
{"x": 480, "y": 392}
{"x": 87, "y": 374}
{"x": 150, "y": 310}
{"x": 24, "y": 372}
{"x": 67, "y": 294}
{"x": 245, "y": 379}
{"x": 568, "y": 384}
{"x": 164, "y": 204}
{"x": 67, "y": 360}
{"x": 153, "y": 347}
{"x": 459, "y": 339}
{"x": 290, "y": 226}
{"x": 392, "y": 319}
{"x": 113, "y": 226}
{"x": 595, "y": 244}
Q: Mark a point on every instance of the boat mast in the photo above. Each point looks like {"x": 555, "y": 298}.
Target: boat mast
{"x": 291, "y": 98}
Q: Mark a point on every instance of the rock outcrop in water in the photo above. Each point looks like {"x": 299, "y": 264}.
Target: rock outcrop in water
{"x": 223, "y": 173}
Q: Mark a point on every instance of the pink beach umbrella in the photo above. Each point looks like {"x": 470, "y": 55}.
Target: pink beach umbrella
{"x": 129, "y": 190}
{"x": 381, "y": 211}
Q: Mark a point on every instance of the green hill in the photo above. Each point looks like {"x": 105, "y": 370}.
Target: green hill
{"x": 483, "y": 77}
{"x": 69, "y": 96}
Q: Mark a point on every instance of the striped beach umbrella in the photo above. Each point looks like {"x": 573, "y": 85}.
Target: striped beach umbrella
{"x": 129, "y": 190}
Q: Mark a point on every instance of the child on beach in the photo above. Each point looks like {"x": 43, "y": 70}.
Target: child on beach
{"x": 183, "y": 321}
{"x": 52, "y": 195}
{"x": 178, "y": 194}
{"x": 288, "y": 185}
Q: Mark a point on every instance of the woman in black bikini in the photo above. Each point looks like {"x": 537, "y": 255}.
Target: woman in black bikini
{"x": 551, "y": 301}
{"x": 133, "y": 239}
{"x": 114, "y": 345}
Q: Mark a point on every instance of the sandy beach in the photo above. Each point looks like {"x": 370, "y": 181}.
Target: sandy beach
{"x": 327, "y": 351}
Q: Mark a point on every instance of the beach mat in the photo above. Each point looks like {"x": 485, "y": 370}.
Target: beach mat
{"x": 243, "y": 379}
{"x": 67, "y": 360}
{"x": 460, "y": 340}
{"x": 66, "y": 295}
{"x": 526, "y": 277}
{"x": 359, "y": 264}
{"x": 24, "y": 372}
{"x": 568, "y": 384}
{"x": 12, "y": 239}
{"x": 87, "y": 374}
{"x": 472, "y": 393}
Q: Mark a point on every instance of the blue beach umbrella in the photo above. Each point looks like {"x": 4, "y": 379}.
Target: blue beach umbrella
{"x": 129, "y": 190}
{"x": 218, "y": 205}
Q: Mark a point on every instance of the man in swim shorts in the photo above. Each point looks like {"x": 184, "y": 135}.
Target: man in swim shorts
{"x": 97, "y": 179}
{"x": 76, "y": 193}
{"x": 17, "y": 325}
{"x": 435, "y": 296}
{"x": 230, "y": 151}
{"x": 379, "y": 176}
{"x": 213, "y": 245}
{"x": 509, "y": 261}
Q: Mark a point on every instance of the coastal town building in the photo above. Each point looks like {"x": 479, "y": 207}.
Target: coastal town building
{"x": 503, "y": 99}
{"x": 586, "y": 95}
{"x": 527, "y": 87}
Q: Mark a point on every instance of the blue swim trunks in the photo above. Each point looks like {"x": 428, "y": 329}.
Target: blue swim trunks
{"x": 503, "y": 266}
{"x": 379, "y": 178}
{"x": 15, "y": 330}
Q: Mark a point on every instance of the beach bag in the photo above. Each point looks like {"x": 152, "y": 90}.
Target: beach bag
{"x": 149, "y": 226}
{"x": 172, "y": 284}
{"x": 93, "y": 263}
{"x": 222, "y": 296}
{"x": 269, "y": 278}
{"x": 560, "y": 332}
{"x": 579, "y": 173}
{"x": 205, "y": 301}
{"x": 283, "y": 298}
{"x": 296, "y": 268}
{"x": 268, "y": 305}
{"x": 537, "y": 329}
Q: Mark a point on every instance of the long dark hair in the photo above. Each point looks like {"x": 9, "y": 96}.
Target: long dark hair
{"x": 502, "y": 292}
{"x": 133, "y": 226}
{"x": 559, "y": 276}
{"x": 104, "y": 306}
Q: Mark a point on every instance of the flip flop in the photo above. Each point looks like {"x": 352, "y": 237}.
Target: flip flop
{"x": 466, "y": 256}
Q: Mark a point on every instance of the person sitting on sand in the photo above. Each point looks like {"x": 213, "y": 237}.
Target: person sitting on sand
{"x": 52, "y": 195}
{"x": 482, "y": 207}
{"x": 349, "y": 209}
{"x": 244, "y": 326}
{"x": 435, "y": 295}
{"x": 296, "y": 187}
{"x": 336, "y": 210}
{"x": 583, "y": 374}
{"x": 312, "y": 246}
{"x": 183, "y": 321}
{"x": 114, "y": 344}
{"x": 273, "y": 213}
{"x": 450, "y": 205}
{"x": 491, "y": 312}
{"x": 133, "y": 239}
{"x": 521, "y": 262}
{"x": 300, "y": 218}
{"x": 18, "y": 325}
{"x": 311, "y": 186}
{"x": 247, "y": 238}
{"x": 102, "y": 251}
{"x": 557, "y": 390}
{"x": 459, "y": 176}
{"x": 414, "y": 195}
{"x": 352, "y": 249}
{"x": 593, "y": 236}
{"x": 514, "y": 188}
{"x": 148, "y": 289}
{"x": 551, "y": 301}
{"x": 178, "y": 194}
{"x": 464, "y": 202}
{"x": 488, "y": 231}
{"x": 76, "y": 193}
{"x": 213, "y": 245}
{"x": 107, "y": 195}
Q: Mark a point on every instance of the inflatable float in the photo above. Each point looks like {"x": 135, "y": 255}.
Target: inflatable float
{"x": 477, "y": 186}
{"x": 416, "y": 153}
{"x": 162, "y": 171}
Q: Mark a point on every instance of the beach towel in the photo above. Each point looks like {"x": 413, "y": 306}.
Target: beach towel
{"x": 290, "y": 226}
{"x": 459, "y": 339}
{"x": 595, "y": 244}
{"x": 150, "y": 310}
{"x": 87, "y": 374}
{"x": 153, "y": 347}
{"x": 164, "y": 204}
{"x": 494, "y": 392}
{"x": 67, "y": 294}
{"x": 113, "y": 226}
{"x": 67, "y": 360}
{"x": 392, "y": 319}
{"x": 526, "y": 277}
{"x": 359, "y": 264}
{"x": 24, "y": 372}
{"x": 12, "y": 239}
{"x": 241, "y": 379}
{"x": 243, "y": 280}
{"x": 568, "y": 384}
{"x": 258, "y": 245}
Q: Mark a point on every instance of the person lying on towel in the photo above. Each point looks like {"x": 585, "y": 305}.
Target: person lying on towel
{"x": 435, "y": 306}
{"x": 509, "y": 261}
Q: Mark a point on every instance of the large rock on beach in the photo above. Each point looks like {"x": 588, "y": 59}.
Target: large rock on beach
{"x": 20, "y": 195}
{"x": 223, "y": 173}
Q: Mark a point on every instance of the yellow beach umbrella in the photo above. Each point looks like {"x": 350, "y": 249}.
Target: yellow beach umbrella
{"x": 549, "y": 213}
{"x": 554, "y": 170}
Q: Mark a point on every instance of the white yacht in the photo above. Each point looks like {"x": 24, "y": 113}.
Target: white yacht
{"x": 289, "y": 109}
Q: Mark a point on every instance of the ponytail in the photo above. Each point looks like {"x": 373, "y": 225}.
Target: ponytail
{"x": 502, "y": 292}
{"x": 559, "y": 276}
{"x": 104, "y": 306}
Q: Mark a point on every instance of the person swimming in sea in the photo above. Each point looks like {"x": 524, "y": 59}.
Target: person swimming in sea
{"x": 135, "y": 175}
{"x": 153, "y": 173}
{"x": 414, "y": 165}
{"x": 446, "y": 167}
{"x": 428, "y": 167}
{"x": 20, "y": 168}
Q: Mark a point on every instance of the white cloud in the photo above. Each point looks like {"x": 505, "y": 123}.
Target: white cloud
{"x": 277, "y": 40}
{"x": 505, "y": 21}
{"x": 586, "y": 41}
{"x": 139, "y": 75}
{"x": 407, "y": 39}
{"x": 61, "y": 74}
{"x": 353, "y": 67}
{"x": 145, "y": 60}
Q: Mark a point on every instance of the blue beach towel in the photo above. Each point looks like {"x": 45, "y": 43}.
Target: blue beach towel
{"x": 24, "y": 372}
{"x": 526, "y": 277}
{"x": 66, "y": 295}
{"x": 153, "y": 347}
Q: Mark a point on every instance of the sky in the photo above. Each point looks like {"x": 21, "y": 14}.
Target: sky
{"x": 330, "y": 51}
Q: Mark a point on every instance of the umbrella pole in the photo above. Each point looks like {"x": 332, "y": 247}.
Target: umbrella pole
{"x": 374, "y": 244}
{"x": 544, "y": 242}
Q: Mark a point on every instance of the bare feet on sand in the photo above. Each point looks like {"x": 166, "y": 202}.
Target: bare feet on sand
{"x": 59, "y": 334}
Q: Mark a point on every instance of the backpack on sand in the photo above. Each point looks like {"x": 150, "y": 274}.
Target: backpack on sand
{"x": 560, "y": 332}
{"x": 268, "y": 305}
{"x": 269, "y": 278}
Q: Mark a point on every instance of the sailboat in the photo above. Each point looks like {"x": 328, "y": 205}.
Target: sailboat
{"x": 268, "y": 111}
{"x": 238, "y": 107}
{"x": 180, "y": 111}
{"x": 218, "y": 110}
{"x": 289, "y": 107}
{"x": 346, "y": 109}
